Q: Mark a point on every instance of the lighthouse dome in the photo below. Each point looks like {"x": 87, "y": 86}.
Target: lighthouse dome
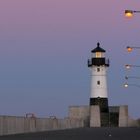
{"x": 98, "y": 49}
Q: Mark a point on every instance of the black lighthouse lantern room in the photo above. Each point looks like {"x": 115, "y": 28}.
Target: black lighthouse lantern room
{"x": 98, "y": 57}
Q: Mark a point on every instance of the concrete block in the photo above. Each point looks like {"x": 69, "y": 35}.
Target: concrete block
{"x": 1, "y": 125}
{"x": 41, "y": 124}
{"x": 79, "y": 112}
{"x": 11, "y": 125}
{"x": 95, "y": 118}
{"x": 29, "y": 124}
{"x": 114, "y": 109}
{"x": 132, "y": 122}
{"x": 55, "y": 123}
{"x": 114, "y": 116}
{"x": 47, "y": 123}
{"x": 15, "y": 125}
{"x": 104, "y": 119}
{"x": 123, "y": 116}
{"x": 19, "y": 123}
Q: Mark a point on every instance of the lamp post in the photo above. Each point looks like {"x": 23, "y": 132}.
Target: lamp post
{"x": 135, "y": 77}
{"x": 127, "y": 85}
{"x": 130, "y": 13}
{"x": 129, "y": 48}
{"x": 128, "y": 66}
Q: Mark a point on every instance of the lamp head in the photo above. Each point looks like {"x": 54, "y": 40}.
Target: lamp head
{"x": 127, "y": 66}
{"x": 129, "y": 13}
{"x": 125, "y": 85}
{"x": 129, "y": 49}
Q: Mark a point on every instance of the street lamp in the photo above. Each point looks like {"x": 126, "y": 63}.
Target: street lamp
{"x": 135, "y": 77}
{"x": 128, "y": 66}
{"x": 129, "y": 49}
{"x": 129, "y": 13}
{"x": 127, "y": 85}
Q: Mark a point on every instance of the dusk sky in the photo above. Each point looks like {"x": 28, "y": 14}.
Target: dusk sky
{"x": 44, "y": 47}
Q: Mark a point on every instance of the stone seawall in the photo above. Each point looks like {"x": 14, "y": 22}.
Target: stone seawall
{"x": 79, "y": 117}
{"x": 15, "y": 125}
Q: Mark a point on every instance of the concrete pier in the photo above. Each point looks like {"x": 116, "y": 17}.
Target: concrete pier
{"x": 81, "y": 134}
{"x": 95, "y": 118}
{"x": 123, "y": 116}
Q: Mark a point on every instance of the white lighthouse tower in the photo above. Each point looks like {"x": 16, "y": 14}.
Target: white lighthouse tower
{"x": 99, "y": 64}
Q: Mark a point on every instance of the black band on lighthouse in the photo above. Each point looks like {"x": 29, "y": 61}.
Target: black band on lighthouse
{"x": 102, "y": 102}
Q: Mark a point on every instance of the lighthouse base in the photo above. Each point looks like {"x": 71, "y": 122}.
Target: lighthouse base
{"x": 92, "y": 116}
{"x": 101, "y": 102}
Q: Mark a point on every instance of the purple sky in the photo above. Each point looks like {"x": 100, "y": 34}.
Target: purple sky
{"x": 44, "y": 47}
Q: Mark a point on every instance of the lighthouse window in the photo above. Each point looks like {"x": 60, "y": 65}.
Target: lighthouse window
{"x": 98, "y": 54}
{"x": 98, "y": 69}
{"x": 98, "y": 82}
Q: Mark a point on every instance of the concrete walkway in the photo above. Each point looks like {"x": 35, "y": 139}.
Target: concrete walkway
{"x": 80, "y": 134}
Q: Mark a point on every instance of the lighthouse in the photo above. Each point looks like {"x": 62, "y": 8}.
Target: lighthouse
{"x": 99, "y": 65}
